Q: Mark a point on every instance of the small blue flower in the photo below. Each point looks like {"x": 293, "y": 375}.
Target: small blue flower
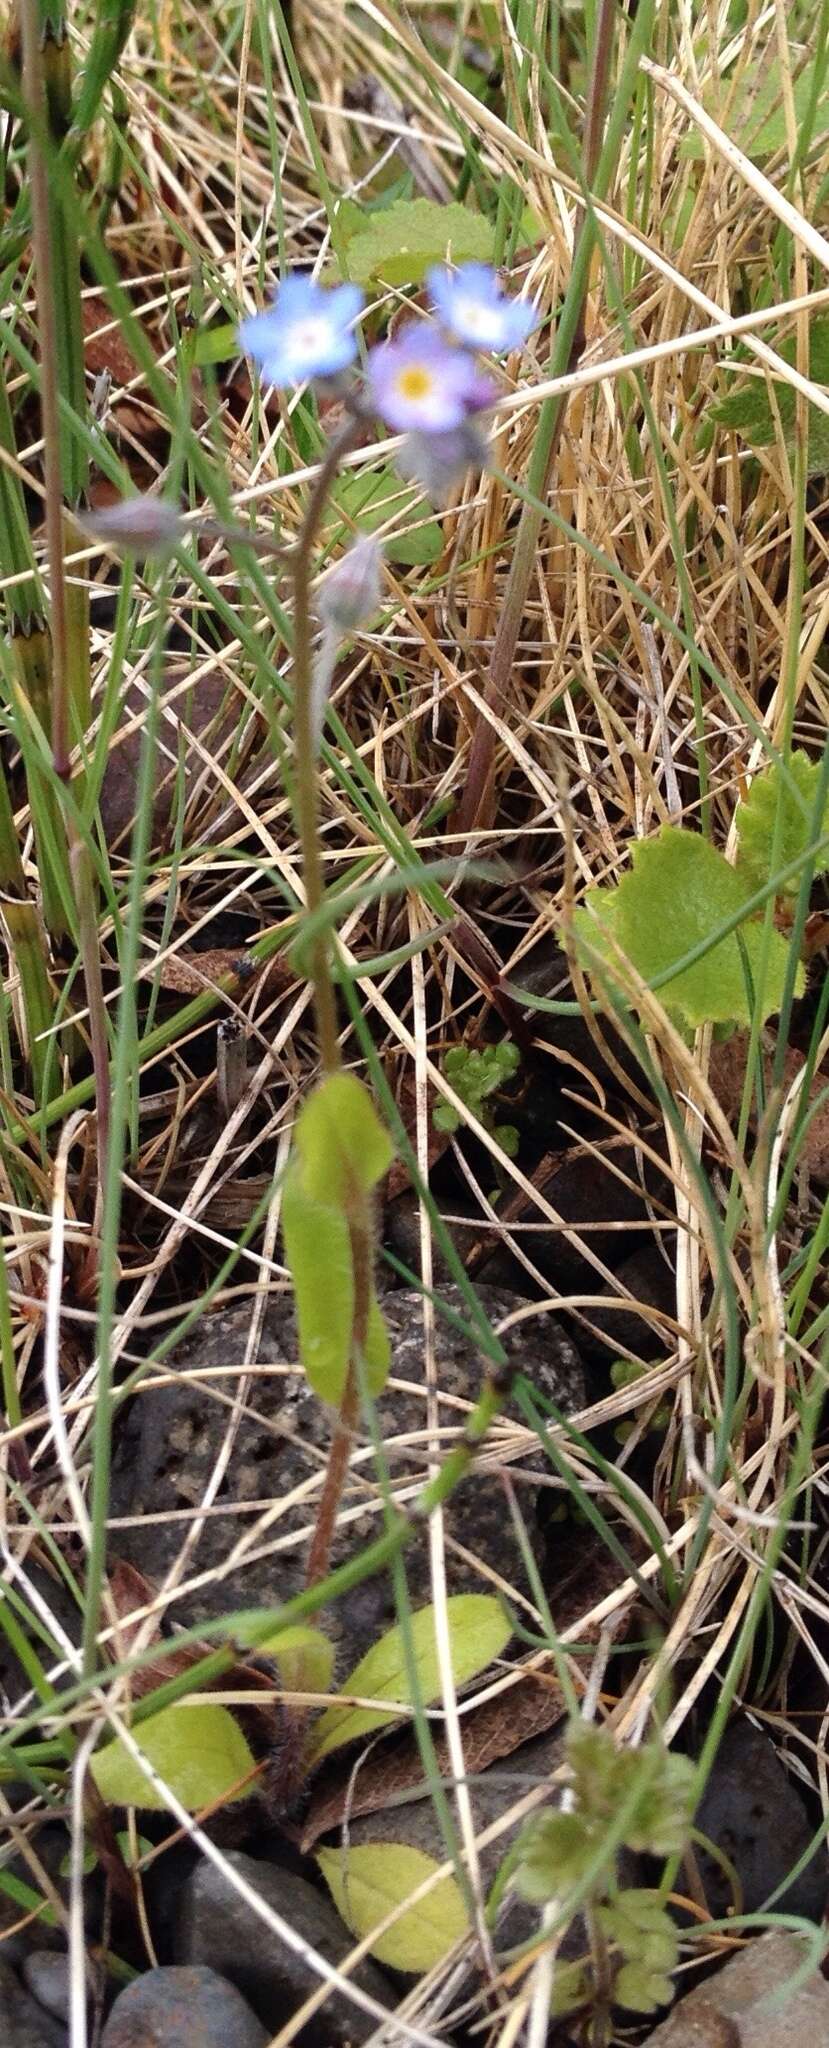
{"x": 418, "y": 384}
{"x": 474, "y": 309}
{"x": 307, "y": 332}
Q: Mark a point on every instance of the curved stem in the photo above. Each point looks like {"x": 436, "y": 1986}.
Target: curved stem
{"x": 305, "y": 755}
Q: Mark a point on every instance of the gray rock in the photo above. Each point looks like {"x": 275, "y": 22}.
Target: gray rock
{"x": 754, "y": 1813}
{"x": 732, "y": 2011}
{"x": 168, "y": 2008}
{"x": 23, "y": 2024}
{"x": 214, "y": 1921}
{"x": 46, "y": 1975}
{"x": 167, "y": 1449}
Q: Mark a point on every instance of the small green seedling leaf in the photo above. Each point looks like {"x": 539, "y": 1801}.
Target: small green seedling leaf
{"x": 399, "y": 245}
{"x": 752, "y": 107}
{"x": 479, "y": 1631}
{"x": 199, "y": 1750}
{"x": 756, "y": 819}
{"x": 368, "y": 501}
{"x": 366, "y": 1883}
{"x": 142, "y": 1847}
{"x": 748, "y": 410}
{"x": 678, "y": 891}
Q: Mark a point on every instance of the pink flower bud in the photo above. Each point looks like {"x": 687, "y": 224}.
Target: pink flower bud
{"x": 350, "y": 593}
{"x": 135, "y": 526}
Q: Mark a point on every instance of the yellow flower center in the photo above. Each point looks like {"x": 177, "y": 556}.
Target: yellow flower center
{"x": 415, "y": 382}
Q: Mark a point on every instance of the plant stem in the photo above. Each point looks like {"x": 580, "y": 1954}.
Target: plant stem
{"x": 319, "y": 1555}
{"x": 305, "y": 747}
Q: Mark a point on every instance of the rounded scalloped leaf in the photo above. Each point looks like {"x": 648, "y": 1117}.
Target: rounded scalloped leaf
{"x": 678, "y": 894}
{"x": 368, "y": 1881}
{"x": 757, "y": 817}
{"x": 402, "y": 242}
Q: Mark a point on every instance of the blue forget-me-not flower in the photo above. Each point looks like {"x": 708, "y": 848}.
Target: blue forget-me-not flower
{"x": 475, "y": 311}
{"x": 307, "y": 332}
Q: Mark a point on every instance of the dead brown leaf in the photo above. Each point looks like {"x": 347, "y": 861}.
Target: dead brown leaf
{"x": 491, "y": 1732}
{"x": 728, "y": 1072}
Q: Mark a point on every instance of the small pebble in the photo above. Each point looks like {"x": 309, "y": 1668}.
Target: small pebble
{"x": 173, "y": 2007}
{"x": 46, "y": 1973}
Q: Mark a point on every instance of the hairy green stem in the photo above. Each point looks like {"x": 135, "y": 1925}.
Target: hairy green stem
{"x": 305, "y": 746}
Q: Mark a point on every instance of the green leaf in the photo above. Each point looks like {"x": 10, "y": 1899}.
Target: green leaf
{"x": 756, "y": 113}
{"x": 318, "y": 1252}
{"x": 142, "y": 1846}
{"x": 304, "y": 1658}
{"x": 218, "y": 344}
{"x": 399, "y": 245}
{"x": 756, "y": 821}
{"x": 340, "y": 1141}
{"x": 198, "y": 1749}
{"x": 554, "y": 1852}
{"x": 478, "y": 1630}
{"x": 367, "y": 1882}
{"x": 369, "y": 500}
{"x": 748, "y": 409}
{"x": 678, "y": 891}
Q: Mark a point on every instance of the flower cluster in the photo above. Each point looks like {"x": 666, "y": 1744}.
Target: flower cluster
{"x": 424, "y": 383}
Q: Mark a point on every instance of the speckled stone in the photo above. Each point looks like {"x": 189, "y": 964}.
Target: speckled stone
{"x": 168, "y": 1445}
{"x": 173, "y": 2007}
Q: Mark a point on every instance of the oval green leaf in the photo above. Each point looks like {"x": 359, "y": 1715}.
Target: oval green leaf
{"x": 367, "y": 1882}
{"x": 199, "y": 1750}
{"x": 478, "y": 1630}
{"x": 340, "y": 1142}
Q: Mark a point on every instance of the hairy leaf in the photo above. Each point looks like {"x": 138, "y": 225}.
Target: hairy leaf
{"x": 677, "y": 893}
{"x": 757, "y": 816}
{"x": 199, "y": 1750}
{"x": 366, "y": 1882}
{"x": 303, "y": 1655}
{"x": 400, "y": 244}
{"x": 318, "y": 1252}
{"x": 479, "y": 1631}
{"x": 340, "y": 1141}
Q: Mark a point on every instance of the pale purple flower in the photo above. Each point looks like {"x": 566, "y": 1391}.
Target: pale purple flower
{"x": 476, "y": 311}
{"x": 350, "y": 592}
{"x": 417, "y": 384}
{"x": 437, "y": 462}
{"x": 135, "y": 526}
{"x": 307, "y": 332}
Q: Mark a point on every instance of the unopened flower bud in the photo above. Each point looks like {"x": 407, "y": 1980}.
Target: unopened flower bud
{"x": 438, "y": 462}
{"x": 136, "y": 526}
{"x": 350, "y": 593}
